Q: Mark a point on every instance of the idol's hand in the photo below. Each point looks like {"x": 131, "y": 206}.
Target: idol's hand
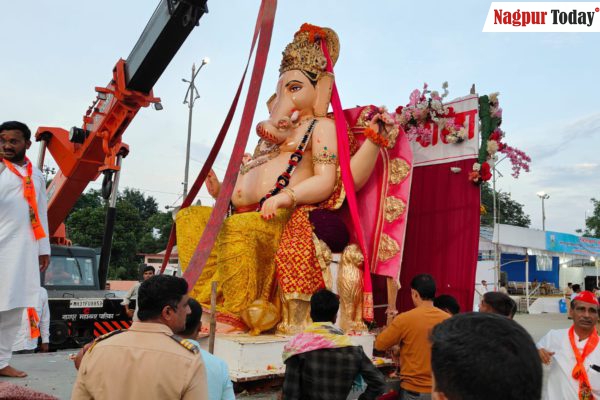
{"x": 270, "y": 206}
{"x": 385, "y": 125}
{"x": 212, "y": 184}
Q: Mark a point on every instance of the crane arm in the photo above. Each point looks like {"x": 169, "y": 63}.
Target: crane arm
{"x": 82, "y": 154}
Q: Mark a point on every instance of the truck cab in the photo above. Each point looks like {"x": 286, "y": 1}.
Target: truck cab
{"x": 71, "y": 269}
{"x": 79, "y": 309}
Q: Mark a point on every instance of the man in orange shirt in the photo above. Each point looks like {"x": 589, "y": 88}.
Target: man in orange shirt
{"x": 411, "y": 331}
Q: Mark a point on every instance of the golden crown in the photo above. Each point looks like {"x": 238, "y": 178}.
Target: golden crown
{"x": 304, "y": 53}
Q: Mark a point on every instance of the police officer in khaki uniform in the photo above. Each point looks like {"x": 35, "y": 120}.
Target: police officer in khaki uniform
{"x": 147, "y": 361}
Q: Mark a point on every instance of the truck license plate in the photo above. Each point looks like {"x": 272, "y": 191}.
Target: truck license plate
{"x": 84, "y": 303}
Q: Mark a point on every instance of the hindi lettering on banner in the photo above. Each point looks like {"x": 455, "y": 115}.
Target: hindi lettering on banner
{"x": 438, "y": 150}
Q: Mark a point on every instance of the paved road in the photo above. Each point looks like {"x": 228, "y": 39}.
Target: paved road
{"x": 539, "y": 324}
{"x": 54, "y": 373}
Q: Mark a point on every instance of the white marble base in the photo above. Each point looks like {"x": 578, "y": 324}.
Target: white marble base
{"x": 259, "y": 357}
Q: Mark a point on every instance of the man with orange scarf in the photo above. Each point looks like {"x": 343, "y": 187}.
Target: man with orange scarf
{"x": 24, "y": 245}
{"x": 573, "y": 354}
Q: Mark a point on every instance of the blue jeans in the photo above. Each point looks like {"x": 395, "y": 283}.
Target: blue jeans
{"x": 410, "y": 395}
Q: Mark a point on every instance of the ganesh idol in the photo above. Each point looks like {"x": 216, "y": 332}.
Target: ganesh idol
{"x": 267, "y": 259}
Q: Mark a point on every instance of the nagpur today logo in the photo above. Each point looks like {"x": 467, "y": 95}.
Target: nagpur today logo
{"x": 543, "y": 17}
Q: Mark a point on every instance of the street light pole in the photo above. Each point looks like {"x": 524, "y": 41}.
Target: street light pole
{"x": 192, "y": 92}
{"x": 495, "y": 203}
{"x": 497, "y": 254}
{"x": 585, "y": 217}
{"x": 596, "y": 264}
{"x": 543, "y": 196}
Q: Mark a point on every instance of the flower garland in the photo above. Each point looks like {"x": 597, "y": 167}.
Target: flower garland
{"x": 425, "y": 110}
{"x": 490, "y": 115}
{"x": 518, "y": 159}
{"x": 284, "y": 179}
{"x": 376, "y": 138}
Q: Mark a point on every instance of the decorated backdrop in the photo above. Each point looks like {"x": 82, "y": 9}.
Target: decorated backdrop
{"x": 442, "y": 234}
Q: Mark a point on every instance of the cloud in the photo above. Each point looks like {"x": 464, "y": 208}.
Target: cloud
{"x": 567, "y": 177}
{"x": 199, "y": 152}
{"x": 587, "y": 167}
{"x": 583, "y": 128}
{"x": 570, "y": 189}
{"x": 560, "y": 40}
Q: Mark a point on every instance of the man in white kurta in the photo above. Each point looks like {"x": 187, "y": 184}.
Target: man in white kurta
{"x": 21, "y": 255}
{"x": 24, "y": 341}
{"x": 558, "y": 356}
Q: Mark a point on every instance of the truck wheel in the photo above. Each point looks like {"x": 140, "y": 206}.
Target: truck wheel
{"x": 59, "y": 333}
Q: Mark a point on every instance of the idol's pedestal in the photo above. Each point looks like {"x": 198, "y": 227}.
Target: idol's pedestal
{"x": 252, "y": 358}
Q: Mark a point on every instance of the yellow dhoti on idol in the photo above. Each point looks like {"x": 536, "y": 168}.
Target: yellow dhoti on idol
{"x": 242, "y": 260}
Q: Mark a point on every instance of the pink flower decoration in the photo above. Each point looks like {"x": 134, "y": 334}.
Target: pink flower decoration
{"x": 518, "y": 158}
{"x": 415, "y": 97}
{"x": 497, "y": 113}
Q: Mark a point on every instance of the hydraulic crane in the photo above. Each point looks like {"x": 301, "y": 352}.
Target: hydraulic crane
{"x": 83, "y": 153}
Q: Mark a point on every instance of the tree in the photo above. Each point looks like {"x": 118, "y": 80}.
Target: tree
{"x": 592, "y": 223}
{"x": 146, "y": 206}
{"x": 129, "y": 228}
{"x": 85, "y": 226}
{"x": 139, "y": 228}
{"x": 92, "y": 198}
{"x": 509, "y": 211}
{"x": 156, "y": 236}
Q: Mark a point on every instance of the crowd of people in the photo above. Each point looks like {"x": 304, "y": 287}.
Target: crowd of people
{"x": 436, "y": 351}
{"x": 322, "y": 362}
{"x": 443, "y": 354}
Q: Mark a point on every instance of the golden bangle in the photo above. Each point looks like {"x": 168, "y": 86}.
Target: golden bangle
{"x": 292, "y": 194}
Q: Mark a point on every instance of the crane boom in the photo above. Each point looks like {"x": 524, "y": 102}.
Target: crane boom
{"x": 82, "y": 154}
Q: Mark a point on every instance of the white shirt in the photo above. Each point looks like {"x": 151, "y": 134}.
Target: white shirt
{"x": 559, "y": 384}
{"x": 19, "y": 251}
{"x": 132, "y": 294}
{"x": 24, "y": 340}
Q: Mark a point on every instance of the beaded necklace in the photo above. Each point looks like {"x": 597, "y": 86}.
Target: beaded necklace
{"x": 284, "y": 179}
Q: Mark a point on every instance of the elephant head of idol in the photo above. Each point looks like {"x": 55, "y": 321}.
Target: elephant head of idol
{"x": 304, "y": 87}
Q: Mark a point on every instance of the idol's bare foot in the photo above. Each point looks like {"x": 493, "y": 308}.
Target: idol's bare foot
{"x": 12, "y": 372}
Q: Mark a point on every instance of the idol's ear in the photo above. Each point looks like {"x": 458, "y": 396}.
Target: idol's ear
{"x": 270, "y": 102}
{"x": 323, "y": 94}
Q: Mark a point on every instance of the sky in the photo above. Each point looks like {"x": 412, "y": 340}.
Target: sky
{"x": 55, "y": 52}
